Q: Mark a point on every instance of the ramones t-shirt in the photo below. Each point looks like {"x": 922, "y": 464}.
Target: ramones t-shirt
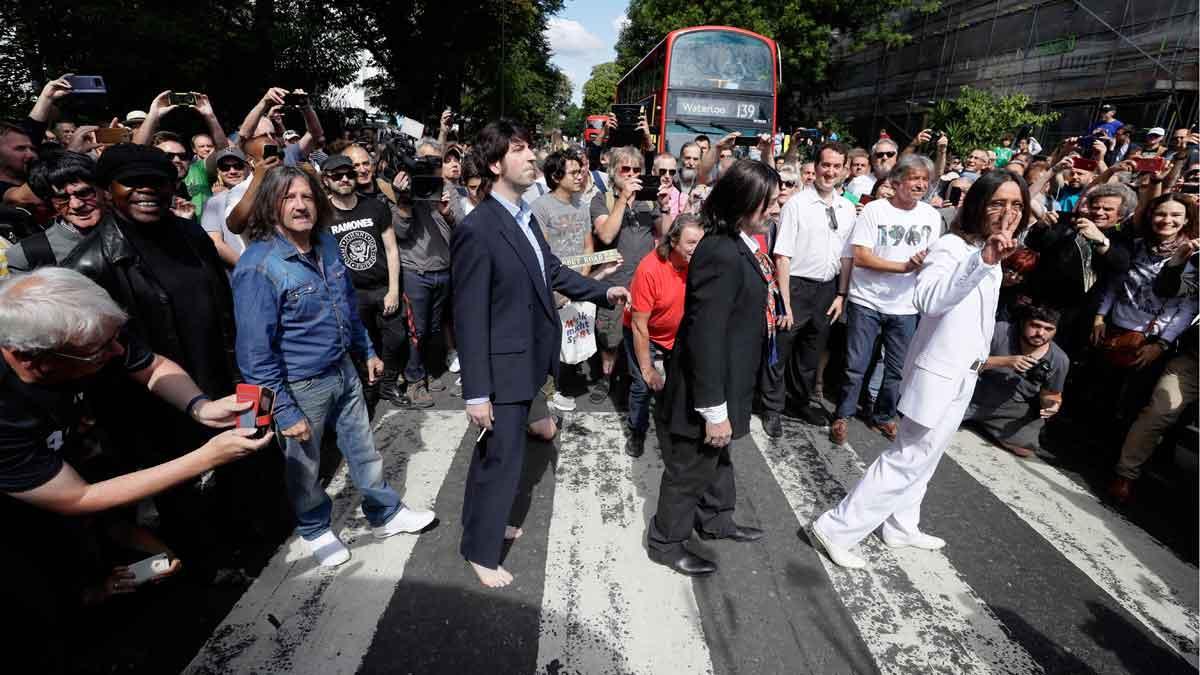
{"x": 359, "y": 235}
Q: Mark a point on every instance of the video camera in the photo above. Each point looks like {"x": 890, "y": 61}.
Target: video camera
{"x": 399, "y": 153}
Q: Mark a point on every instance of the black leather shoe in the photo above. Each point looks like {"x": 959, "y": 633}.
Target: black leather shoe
{"x": 811, "y": 414}
{"x": 636, "y": 445}
{"x": 740, "y": 533}
{"x": 773, "y": 425}
{"x": 688, "y": 564}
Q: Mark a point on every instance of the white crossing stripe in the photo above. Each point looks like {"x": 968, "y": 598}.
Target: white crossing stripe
{"x": 912, "y": 608}
{"x": 1141, "y": 574}
{"x": 300, "y": 618}
{"x": 606, "y": 608}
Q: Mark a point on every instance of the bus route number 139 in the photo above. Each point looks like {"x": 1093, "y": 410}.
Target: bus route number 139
{"x": 747, "y": 111}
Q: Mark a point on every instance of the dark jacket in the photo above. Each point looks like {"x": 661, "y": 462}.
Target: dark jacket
{"x": 1181, "y": 280}
{"x": 1058, "y": 279}
{"x": 110, "y": 260}
{"x": 720, "y": 339}
{"x": 505, "y": 321}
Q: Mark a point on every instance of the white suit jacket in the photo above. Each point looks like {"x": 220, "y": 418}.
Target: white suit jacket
{"x": 956, "y": 295}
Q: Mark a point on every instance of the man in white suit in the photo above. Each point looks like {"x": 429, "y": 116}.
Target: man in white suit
{"x": 957, "y": 290}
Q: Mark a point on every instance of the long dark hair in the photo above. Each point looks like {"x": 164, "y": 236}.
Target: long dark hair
{"x": 971, "y": 222}
{"x": 264, "y": 216}
{"x": 1146, "y": 226}
{"x": 741, "y": 192}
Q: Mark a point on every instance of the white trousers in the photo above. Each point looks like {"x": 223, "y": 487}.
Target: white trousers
{"x": 891, "y": 490}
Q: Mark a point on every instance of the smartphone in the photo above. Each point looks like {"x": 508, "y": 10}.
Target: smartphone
{"x": 182, "y": 98}
{"x": 266, "y": 406}
{"x": 272, "y": 151}
{"x": 627, "y": 114}
{"x": 147, "y": 569}
{"x": 1190, "y": 188}
{"x": 112, "y": 136}
{"x": 1149, "y": 164}
{"x": 87, "y": 84}
{"x": 1068, "y": 218}
{"x": 1084, "y": 164}
{"x": 252, "y": 394}
{"x": 295, "y": 100}
{"x": 648, "y": 193}
{"x": 746, "y": 140}
{"x": 953, "y": 195}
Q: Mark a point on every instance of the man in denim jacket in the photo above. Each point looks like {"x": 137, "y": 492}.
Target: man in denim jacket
{"x": 297, "y": 325}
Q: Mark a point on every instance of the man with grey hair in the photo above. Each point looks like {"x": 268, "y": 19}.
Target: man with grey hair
{"x": 888, "y": 245}
{"x": 62, "y": 335}
{"x": 883, "y": 158}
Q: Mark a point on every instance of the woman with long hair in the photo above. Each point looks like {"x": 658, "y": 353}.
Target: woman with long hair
{"x": 728, "y": 321}
{"x": 958, "y": 287}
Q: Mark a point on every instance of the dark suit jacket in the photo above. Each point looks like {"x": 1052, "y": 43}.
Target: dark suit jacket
{"x": 505, "y": 321}
{"x": 720, "y": 339}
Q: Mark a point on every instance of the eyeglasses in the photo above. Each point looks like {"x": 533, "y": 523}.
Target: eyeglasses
{"x": 87, "y": 194}
{"x": 632, "y": 170}
{"x": 788, "y": 183}
{"x": 93, "y": 357}
{"x": 885, "y": 153}
{"x": 576, "y": 172}
{"x": 996, "y": 207}
{"x": 337, "y": 176}
{"x": 231, "y": 166}
{"x": 667, "y": 172}
{"x": 180, "y": 156}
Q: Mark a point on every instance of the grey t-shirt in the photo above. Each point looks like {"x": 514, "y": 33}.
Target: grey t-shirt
{"x": 634, "y": 240}
{"x": 213, "y": 221}
{"x": 565, "y": 225}
{"x": 1000, "y": 385}
{"x": 62, "y": 237}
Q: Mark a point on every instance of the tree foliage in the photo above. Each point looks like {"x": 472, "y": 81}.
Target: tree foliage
{"x": 807, "y": 33}
{"x": 978, "y": 118}
{"x": 601, "y": 87}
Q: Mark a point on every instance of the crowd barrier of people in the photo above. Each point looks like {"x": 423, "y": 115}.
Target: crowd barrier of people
{"x": 151, "y": 276}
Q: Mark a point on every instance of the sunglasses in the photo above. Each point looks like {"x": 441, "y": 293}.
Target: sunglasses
{"x": 336, "y": 176}
{"x": 231, "y": 166}
{"x": 832, "y": 216}
{"x": 181, "y": 156}
{"x": 92, "y": 357}
{"x": 788, "y": 183}
{"x": 634, "y": 170}
{"x": 667, "y": 172}
{"x": 63, "y": 198}
{"x": 885, "y": 153}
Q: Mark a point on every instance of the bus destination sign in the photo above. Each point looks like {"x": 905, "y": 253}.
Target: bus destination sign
{"x": 696, "y": 106}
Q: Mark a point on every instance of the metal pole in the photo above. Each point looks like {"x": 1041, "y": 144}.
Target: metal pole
{"x": 1121, "y": 35}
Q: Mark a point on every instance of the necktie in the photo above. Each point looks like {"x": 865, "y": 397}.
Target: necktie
{"x": 774, "y": 304}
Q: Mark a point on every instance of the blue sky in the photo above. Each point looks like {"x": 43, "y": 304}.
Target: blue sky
{"x": 585, "y": 34}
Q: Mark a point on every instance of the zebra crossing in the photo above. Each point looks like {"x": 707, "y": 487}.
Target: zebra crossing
{"x": 1038, "y": 578}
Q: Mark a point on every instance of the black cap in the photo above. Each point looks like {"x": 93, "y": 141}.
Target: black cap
{"x": 129, "y": 160}
{"x": 1107, "y": 107}
{"x": 336, "y": 162}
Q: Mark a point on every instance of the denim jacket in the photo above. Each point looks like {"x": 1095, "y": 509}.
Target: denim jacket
{"x": 295, "y": 320}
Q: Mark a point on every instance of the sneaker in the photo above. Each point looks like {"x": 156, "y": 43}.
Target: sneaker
{"x": 405, "y": 520}
{"x": 840, "y": 556}
{"x": 435, "y": 384}
{"x": 328, "y": 549}
{"x": 599, "y": 391}
{"x": 839, "y": 430}
{"x": 418, "y": 395}
{"x": 564, "y": 403}
{"x": 452, "y": 362}
{"x": 925, "y": 542}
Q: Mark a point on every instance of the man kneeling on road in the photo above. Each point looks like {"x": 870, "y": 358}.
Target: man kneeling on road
{"x": 1021, "y": 383}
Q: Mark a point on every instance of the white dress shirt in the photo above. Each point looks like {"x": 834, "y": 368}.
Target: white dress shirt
{"x": 805, "y": 235}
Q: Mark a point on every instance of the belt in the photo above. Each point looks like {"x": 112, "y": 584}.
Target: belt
{"x": 977, "y": 365}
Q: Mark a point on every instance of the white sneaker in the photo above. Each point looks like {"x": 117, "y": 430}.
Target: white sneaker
{"x": 452, "y": 362}
{"x": 328, "y": 549}
{"x": 564, "y": 403}
{"x": 405, "y": 520}
{"x": 840, "y": 556}
{"x": 920, "y": 540}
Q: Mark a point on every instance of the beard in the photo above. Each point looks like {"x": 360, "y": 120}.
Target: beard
{"x": 687, "y": 175}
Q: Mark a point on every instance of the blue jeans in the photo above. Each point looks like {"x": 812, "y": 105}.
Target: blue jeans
{"x": 428, "y": 294}
{"x": 335, "y": 398}
{"x": 863, "y": 327}
{"x": 639, "y": 391}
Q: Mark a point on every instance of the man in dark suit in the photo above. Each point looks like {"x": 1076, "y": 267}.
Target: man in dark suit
{"x": 710, "y": 384}
{"x": 502, "y": 274}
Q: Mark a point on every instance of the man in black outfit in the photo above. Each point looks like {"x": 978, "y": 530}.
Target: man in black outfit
{"x": 367, "y": 243}
{"x": 710, "y": 383}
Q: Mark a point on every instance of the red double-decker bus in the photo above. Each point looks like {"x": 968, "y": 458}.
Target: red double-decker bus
{"x": 709, "y": 80}
{"x": 593, "y": 125}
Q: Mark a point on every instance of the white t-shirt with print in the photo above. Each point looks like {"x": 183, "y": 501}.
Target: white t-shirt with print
{"x": 896, "y": 235}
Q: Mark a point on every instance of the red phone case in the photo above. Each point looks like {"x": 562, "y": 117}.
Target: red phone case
{"x": 1084, "y": 163}
{"x": 247, "y": 419}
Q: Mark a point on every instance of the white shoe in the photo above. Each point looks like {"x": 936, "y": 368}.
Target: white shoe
{"x": 405, "y": 520}
{"x": 564, "y": 403}
{"x": 452, "y": 362}
{"x": 920, "y": 540}
{"x": 328, "y": 549}
{"x": 840, "y": 556}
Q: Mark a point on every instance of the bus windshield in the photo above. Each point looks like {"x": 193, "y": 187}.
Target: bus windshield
{"x": 721, "y": 60}
{"x": 593, "y": 123}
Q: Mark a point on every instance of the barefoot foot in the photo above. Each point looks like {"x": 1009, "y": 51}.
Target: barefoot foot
{"x": 511, "y": 532}
{"x": 492, "y": 578}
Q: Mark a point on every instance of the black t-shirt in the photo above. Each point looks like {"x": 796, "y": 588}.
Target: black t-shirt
{"x": 359, "y": 235}
{"x": 38, "y": 422}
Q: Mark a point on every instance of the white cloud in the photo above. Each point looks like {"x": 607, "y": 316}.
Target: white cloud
{"x": 570, "y": 37}
{"x": 619, "y": 22}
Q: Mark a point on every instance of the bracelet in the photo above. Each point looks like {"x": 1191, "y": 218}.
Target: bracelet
{"x": 192, "y": 403}
{"x": 841, "y": 294}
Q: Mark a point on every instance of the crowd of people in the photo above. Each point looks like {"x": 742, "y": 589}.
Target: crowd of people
{"x": 148, "y": 274}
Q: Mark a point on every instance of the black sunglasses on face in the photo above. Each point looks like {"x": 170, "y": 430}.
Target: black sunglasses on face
{"x": 181, "y": 156}
{"x": 666, "y": 172}
{"x": 231, "y": 166}
{"x": 788, "y": 183}
{"x": 885, "y": 153}
{"x": 336, "y": 176}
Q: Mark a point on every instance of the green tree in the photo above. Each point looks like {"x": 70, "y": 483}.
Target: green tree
{"x": 573, "y": 120}
{"x": 601, "y": 87}
{"x": 805, "y": 31}
{"x": 978, "y": 118}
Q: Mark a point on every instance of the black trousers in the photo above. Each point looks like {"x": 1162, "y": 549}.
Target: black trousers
{"x": 492, "y": 483}
{"x": 389, "y": 334}
{"x": 697, "y": 492}
{"x": 794, "y": 376}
